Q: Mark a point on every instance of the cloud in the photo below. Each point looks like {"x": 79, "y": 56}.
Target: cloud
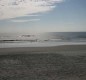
{"x": 17, "y": 8}
{"x": 33, "y": 15}
{"x": 31, "y": 20}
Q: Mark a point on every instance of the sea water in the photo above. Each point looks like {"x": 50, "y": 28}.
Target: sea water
{"x": 42, "y": 40}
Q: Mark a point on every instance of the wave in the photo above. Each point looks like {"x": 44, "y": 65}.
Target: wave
{"x": 46, "y": 37}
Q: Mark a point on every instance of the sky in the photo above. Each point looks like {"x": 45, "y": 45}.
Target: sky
{"x": 29, "y": 16}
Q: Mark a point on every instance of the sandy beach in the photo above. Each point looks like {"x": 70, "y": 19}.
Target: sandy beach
{"x": 54, "y": 49}
{"x": 43, "y": 63}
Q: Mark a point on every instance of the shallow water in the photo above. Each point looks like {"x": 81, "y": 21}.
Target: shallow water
{"x": 42, "y": 40}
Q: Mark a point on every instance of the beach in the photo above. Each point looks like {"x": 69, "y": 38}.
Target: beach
{"x": 67, "y": 62}
{"x": 54, "y": 49}
{"x": 42, "y": 39}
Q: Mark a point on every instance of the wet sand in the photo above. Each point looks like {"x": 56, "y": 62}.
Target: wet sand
{"x": 19, "y": 50}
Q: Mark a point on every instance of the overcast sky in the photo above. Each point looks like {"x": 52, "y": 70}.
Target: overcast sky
{"x": 42, "y": 15}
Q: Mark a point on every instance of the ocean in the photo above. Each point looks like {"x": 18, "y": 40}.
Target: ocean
{"x": 47, "y": 39}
